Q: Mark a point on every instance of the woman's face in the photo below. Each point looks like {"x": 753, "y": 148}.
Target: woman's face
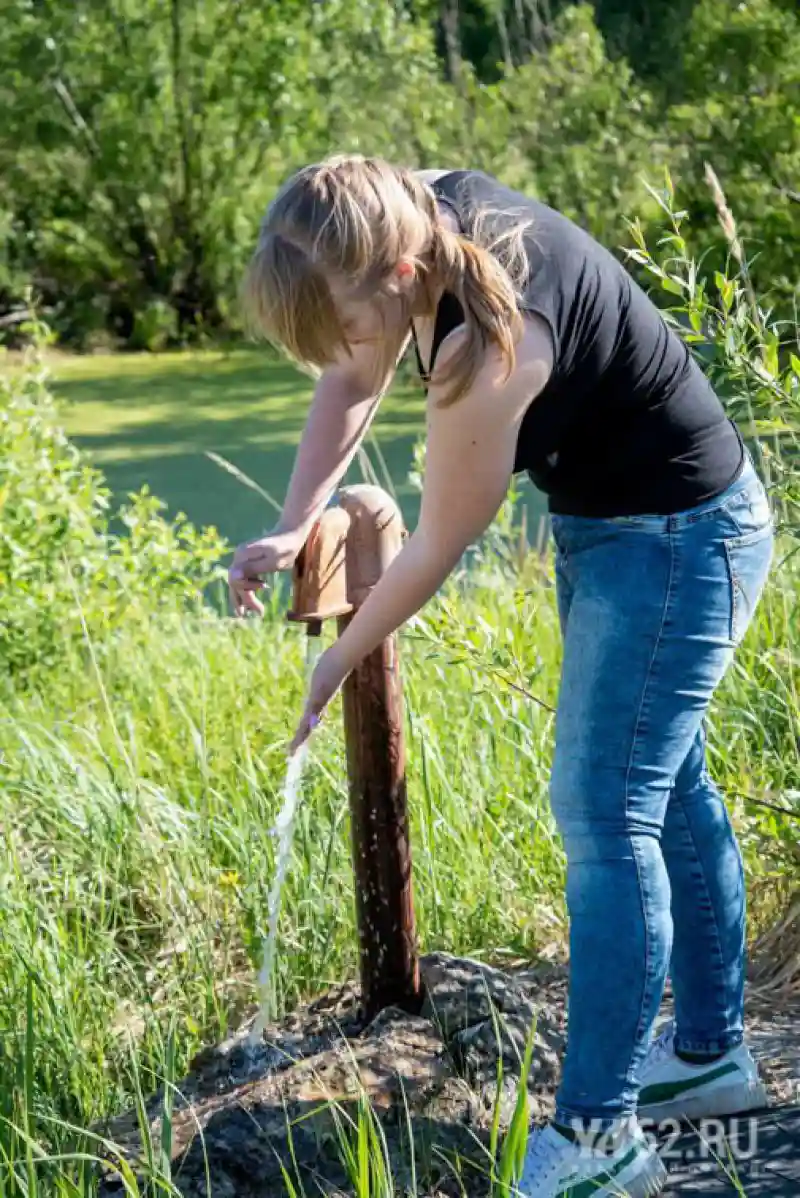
{"x": 370, "y": 318}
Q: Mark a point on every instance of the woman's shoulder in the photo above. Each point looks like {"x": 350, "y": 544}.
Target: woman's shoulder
{"x": 487, "y": 206}
{"x": 432, "y": 175}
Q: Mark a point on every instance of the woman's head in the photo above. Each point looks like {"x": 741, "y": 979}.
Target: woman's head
{"x": 350, "y": 248}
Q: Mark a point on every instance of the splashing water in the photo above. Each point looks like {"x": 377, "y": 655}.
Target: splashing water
{"x": 283, "y": 829}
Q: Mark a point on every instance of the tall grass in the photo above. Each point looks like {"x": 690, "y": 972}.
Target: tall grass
{"x": 141, "y": 769}
{"x": 137, "y": 801}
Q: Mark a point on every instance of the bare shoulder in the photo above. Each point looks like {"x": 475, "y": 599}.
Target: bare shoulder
{"x": 536, "y": 348}
{"x": 495, "y": 390}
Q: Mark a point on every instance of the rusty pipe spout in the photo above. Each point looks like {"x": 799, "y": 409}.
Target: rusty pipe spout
{"x": 374, "y": 735}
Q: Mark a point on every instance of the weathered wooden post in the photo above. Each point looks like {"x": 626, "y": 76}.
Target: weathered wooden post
{"x": 356, "y": 542}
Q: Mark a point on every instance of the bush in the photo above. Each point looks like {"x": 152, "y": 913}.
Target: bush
{"x": 154, "y": 327}
{"x": 63, "y": 574}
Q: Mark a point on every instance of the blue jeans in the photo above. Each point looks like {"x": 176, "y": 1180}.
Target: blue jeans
{"x": 652, "y": 609}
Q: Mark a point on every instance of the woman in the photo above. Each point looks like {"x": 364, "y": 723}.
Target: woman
{"x": 542, "y": 355}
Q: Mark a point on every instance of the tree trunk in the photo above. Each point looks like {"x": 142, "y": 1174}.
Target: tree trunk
{"x": 451, "y": 34}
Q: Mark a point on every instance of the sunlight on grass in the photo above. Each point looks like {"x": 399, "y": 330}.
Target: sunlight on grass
{"x": 141, "y": 766}
{"x": 151, "y": 419}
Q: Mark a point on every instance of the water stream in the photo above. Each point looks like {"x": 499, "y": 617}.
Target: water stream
{"x": 283, "y": 830}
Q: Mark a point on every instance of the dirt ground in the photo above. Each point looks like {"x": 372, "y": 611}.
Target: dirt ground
{"x": 244, "y": 1115}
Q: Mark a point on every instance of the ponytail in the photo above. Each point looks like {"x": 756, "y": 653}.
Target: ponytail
{"x": 488, "y": 297}
{"x": 356, "y": 217}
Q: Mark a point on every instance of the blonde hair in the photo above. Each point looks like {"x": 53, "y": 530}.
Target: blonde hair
{"x": 357, "y": 217}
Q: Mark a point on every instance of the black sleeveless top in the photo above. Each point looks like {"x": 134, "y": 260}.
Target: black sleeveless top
{"x": 627, "y": 424}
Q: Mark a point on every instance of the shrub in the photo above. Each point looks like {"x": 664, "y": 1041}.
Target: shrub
{"x": 63, "y": 572}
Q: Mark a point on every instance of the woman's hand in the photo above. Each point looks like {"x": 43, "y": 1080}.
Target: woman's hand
{"x": 254, "y": 559}
{"x": 329, "y": 674}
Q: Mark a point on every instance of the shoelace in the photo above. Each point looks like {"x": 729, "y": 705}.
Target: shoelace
{"x": 662, "y": 1046}
{"x": 542, "y": 1159}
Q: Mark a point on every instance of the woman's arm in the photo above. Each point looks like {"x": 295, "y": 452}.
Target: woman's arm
{"x": 345, "y": 402}
{"x": 337, "y": 423}
{"x": 469, "y": 462}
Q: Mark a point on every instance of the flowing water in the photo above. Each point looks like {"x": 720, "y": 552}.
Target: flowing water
{"x": 283, "y": 830}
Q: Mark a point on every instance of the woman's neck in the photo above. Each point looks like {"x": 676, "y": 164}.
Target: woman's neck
{"x": 429, "y": 289}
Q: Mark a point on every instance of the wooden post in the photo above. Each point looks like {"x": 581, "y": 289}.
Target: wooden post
{"x": 373, "y": 723}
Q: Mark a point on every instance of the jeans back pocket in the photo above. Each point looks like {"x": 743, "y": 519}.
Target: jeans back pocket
{"x": 750, "y": 510}
{"x": 749, "y": 557}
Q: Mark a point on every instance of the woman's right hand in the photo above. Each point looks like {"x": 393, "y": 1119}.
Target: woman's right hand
{"x": 255, "y": 559}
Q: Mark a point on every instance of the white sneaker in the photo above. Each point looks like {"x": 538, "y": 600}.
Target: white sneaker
{"x": 674, "y": 1089}
{"x": 555, "y": 1167}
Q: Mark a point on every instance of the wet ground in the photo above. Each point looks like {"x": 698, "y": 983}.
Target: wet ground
{"x": 432, "y": 1081}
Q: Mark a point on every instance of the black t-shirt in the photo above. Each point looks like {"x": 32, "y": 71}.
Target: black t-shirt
{"x": 628, "y": 423}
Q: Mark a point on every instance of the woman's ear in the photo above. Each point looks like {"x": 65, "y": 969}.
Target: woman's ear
{"x": 405, "y": 274}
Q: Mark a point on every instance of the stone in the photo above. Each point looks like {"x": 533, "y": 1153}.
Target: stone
{"x": 485, "y": 1016}
{"x": 460, "y": 993}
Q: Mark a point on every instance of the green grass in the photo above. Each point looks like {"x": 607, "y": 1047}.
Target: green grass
{"x": 137, "y": 795}
{"x": 137, "y": 803}
{"x": 152, "y": 418}
{"x": 141, "y": 772}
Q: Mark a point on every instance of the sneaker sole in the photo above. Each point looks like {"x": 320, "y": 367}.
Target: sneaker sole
{"x": 637, "y": 1182}
{"x": 726, "y": 1100}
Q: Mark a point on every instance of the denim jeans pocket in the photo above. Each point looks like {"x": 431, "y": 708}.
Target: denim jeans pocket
{"x": 749, "y": 557}
{"x": 750, "y": 511}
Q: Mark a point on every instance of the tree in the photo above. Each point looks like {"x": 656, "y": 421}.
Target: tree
{"x": 572, "y": 126}
{"x": 145, "y": 137}
{"x": 740, "y": 111}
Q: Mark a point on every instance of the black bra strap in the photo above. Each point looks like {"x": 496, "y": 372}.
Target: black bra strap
{"x": 449, "y": 314}
{"x": 420, "y": 367}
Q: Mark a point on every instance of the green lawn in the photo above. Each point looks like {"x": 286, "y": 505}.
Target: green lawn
{"x": 153, "y": 418}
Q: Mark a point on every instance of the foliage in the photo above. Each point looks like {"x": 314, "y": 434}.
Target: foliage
{"x": 63, "y": 575}
{"x": 161, "y": 129}
{"x": 576, "y": 128}
{"x": 740, "y": 111}
{"x": 142, "y": 140}
{"x": 752, "y": 358}
{"x": 138, "y": 787}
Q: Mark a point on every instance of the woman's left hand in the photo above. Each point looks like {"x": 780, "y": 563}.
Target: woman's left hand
{"x": 328, "y": 676}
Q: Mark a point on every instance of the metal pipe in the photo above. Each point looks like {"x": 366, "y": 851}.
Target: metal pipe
{"x": 346, "y": 554}
{"x": 375, "y": 743}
